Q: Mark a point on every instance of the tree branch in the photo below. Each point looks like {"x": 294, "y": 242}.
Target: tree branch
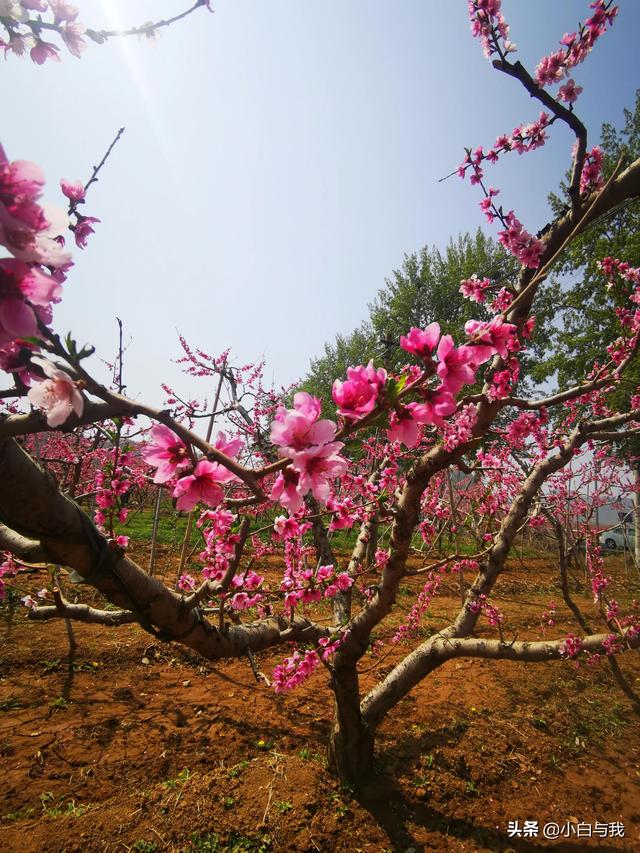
{"x": 20, "y": 546}
{"x": 31, "y": 504}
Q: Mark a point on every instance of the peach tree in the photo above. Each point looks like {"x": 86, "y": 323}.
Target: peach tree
{"x": 446, "y": 446}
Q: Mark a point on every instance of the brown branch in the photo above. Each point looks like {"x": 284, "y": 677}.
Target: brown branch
{"x": 37, "y": 25}
{"x": 20, "y": 546}
{"x": 519, "y": 72}
{"x": 440, "y": 648}
{"x": 82, "y": 613}
{"x": 73, "y": 205}
{"x": 31, "y": 504}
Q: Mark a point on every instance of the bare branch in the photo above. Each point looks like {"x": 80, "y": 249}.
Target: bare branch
{"x": 82, "y": 613}
{"x": 20, "y": 546}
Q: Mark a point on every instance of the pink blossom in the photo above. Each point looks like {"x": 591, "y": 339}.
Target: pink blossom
{"x": 571, "y": 646}
{"x": 18, "y": 44}
{"x": 495, "y": 336}
{"x": 220, "y": 521}
{"x": 72, "y": 36}
{"x": 204, "y": 485}
{"x": 404, "y": 427}
{"x": 57, "y": 395}
{"x": 591, "y": 176}
{"x": 474, "y": 288}
{"x": 242, "y": 601}
{"x": 286, "y": 491}
{"x": 63, "y": 11}
{"x": 435, "y": 406}
{"x": 488, "y": 24}
{"x": 286, "y": 526}
{"x": 186, "y": 583}
{"x": 569, "y": 92}
{"x": 551, "y": 68}
{"x": 14, "y": 358}
{"x": 82, "y": 229}
{"x": 229, "y": 446}
{"x": 317, "y": 466}
{"x": 459, "y": 429}
{"x": 456, "y": 366}
{"x": 421, "y": 342}
{"x": 294, "y": 670}
{"x": 73, "y": 191}
{"x": 357, "y": 396}
{"x": 520, "y": 243}
{"x": 166, "y": 452}
{"x": 43, "y": 50}
{"x": 343, "y": 516}
{"x": 19, "y": 283}
{"x": 26, "y": 228}
{"x": 295, "y": 429}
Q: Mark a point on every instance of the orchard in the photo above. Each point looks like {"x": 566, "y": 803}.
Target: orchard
{"x": 320, "y": 537}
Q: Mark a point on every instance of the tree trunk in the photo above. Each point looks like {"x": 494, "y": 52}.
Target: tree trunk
{"x": 636, "y": 516}
{"x": 350, "y": 748}
{"x": 372, "y": 544}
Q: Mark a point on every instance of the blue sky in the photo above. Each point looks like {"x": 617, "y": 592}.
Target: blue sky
{"x": 280, "y": 158}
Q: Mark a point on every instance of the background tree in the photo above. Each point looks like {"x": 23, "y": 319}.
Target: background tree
{"x": 587, "y": 320}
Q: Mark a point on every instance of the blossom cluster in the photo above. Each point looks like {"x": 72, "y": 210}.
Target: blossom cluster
{"x": 575, "y": 48}
{"x": 30, "y": 285}
{"x": 488, "y": 24}
{"x": 24, "y": 29}
{"x": 168, "y": 454}
{"x": 310, "y": 446}
{"x": 8, "y": 568}
{"x": 481, "y": 604}
{"x": 591, "y": 175}
{"x": 295, "y": 669}
{"x": 523, "y": 138}
{"x": 24, "y": 32}
{"x": 306, "y": 586}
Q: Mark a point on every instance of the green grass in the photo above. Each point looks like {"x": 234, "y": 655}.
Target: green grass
{"x": 171, "y": 527}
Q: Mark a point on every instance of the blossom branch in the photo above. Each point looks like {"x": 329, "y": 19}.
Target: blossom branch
{"x": 519, "y": 72}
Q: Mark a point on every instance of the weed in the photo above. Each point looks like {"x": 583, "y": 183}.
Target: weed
{"x": 59, "y": 704}
{"x": 228, "y": 803}
{"x": 204, "y": 844}
{"x": 340, "y": 808}
{"x": 284, "y": 806}
{"x": 11, "y": 704}
{"x": 144, "y": 846}
{"x": 20, "y": 814}
{"x": 237, "y": 769}
{"x": 308, "y": 755}
{"x": 235, "y": 844}
{"x": 88, "y": 666}
{"x": 50, "y": 810}
{"x": 540, "y": 723}
{"x": 183, "y": 776}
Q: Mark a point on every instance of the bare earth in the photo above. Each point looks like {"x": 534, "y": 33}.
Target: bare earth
{"x": 141, "y": 746}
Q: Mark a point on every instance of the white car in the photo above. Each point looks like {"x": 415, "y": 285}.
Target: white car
{"x": 618, "y": 538}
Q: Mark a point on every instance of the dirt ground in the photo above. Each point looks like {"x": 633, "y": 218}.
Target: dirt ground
{"x": 145, "y": 747}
